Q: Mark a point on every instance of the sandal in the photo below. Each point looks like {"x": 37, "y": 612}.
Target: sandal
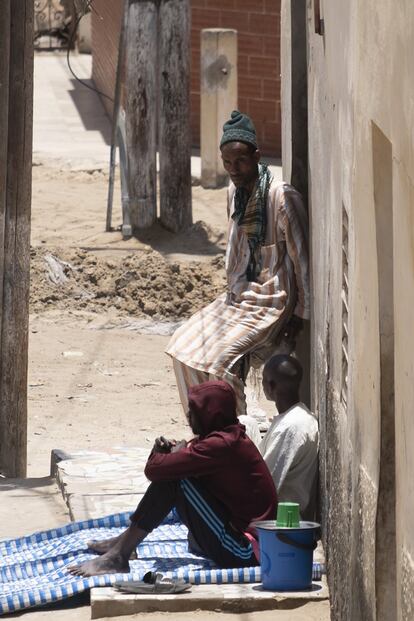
{"x": 153, "y": 583}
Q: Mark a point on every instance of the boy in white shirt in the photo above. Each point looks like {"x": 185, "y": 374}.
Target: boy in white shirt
{"x": 290, "y": 446}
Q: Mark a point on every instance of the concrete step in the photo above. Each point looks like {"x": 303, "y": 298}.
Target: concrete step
{"x": 235, "y": 598}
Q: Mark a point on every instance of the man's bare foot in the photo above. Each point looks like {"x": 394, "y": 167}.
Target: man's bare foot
{"x": 100, "y": 547}
{"x": 116, "y": 558}
{"x": 109, "y": 563}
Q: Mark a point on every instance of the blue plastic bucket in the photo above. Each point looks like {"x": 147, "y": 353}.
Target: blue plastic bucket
{"x": 286, "y": 555}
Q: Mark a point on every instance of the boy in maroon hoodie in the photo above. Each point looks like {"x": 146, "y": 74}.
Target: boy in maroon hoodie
{"x": 218, "y": 483}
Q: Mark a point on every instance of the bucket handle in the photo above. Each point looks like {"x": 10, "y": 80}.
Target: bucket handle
{"x": 296, "y": 544}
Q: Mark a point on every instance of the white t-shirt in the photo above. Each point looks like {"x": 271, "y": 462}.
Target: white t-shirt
{"x": 252, "y": 428}
{"x": 290, "y": 450}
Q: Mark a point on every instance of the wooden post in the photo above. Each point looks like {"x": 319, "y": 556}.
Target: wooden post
{"x": 16, "y": 77}
{"x": 174, "y": 114}
{"x": 141, "y": 111}
{"x": 4, "y": 123}
{"x": 218, "y": 99}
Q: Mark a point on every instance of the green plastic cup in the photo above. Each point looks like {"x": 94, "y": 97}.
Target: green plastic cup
{"x": 287, "y": 515}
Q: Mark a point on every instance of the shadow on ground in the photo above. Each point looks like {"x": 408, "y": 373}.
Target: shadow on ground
{"x": 198, "y": 239}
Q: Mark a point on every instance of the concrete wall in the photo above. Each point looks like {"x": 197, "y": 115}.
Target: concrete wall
{"x": 361, "y": 176}
{"x": 84, "y": 38}
{"x": 258, "y": 26}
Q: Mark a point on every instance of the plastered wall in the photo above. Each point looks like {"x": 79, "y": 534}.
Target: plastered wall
{"x": 361, "y": 168}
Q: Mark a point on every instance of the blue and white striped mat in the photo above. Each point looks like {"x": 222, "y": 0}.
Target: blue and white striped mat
{"x": 33, "y": 569}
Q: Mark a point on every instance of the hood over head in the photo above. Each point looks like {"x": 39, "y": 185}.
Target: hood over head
{"x": 214, "y": 406}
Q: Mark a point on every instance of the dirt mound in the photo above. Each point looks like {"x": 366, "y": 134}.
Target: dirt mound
{"x": 139, "y": 284}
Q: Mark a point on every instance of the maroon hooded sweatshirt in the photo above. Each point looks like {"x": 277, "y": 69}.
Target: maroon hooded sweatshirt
{"x": 222, "y": 458}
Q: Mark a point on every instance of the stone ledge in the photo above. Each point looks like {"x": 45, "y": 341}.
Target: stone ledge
{"x": 97, "y": 483}
{"x": 235, "y": 598}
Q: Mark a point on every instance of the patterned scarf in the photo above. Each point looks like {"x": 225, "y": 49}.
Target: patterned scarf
{"x": 250, "y": 215}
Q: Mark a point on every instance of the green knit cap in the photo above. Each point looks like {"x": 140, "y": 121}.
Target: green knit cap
{"x": 239, "y": 128}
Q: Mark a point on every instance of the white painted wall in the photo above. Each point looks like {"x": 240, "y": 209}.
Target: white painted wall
{"x": 362, "y": 72}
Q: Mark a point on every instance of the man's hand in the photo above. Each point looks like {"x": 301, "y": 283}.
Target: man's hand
{"x": 162, "y": 445}
{"x": 177, "y": 446}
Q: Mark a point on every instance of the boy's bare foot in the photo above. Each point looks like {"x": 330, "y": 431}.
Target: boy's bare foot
{"x": 109, "y": 563}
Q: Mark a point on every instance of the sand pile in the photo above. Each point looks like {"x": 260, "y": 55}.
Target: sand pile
{"x": 139, "y": 284}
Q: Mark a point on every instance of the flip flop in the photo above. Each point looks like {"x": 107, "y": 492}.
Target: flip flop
{"x": 153, "y": 583}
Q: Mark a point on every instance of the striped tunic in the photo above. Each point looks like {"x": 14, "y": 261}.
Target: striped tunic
{"x": 246, "y": 320}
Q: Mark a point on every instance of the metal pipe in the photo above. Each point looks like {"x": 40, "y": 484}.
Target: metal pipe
{"x": 115, "y": 116}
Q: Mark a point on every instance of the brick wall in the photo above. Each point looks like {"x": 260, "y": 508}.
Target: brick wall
{"x": 258, "y": 26}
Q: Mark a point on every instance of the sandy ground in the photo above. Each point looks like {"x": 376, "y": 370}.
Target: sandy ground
{"x": 69, "y": 210}
{"x": 307, "y": 612}
{"x": 98, "y": 375}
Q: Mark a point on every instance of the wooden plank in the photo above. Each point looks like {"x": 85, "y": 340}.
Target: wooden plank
{"x": 16, "y": 265}
{"x": 174, "y": 114}
{"x": 4, "y": 123}
{"x": 141, "y": 116}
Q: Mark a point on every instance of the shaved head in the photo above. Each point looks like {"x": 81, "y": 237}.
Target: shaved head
{"x": 285, "y": 369}
{"x": 282, "y": 376}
